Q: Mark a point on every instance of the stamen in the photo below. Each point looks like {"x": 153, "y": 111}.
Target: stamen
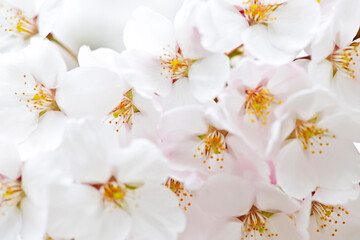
{"x": 183, "y": 195}
{"x": 11, "y": 193}
{"x": 114, "y": 193}
{"x": 312, "y": 137}
{"x": 258, "y": 103}
{"x": 17, "y": 23}
{"x": 37, "y": 98}
{"x": 258, "y": 11}
{"x": 212, "y": 147}
{"x": 175, "y": 65}
{"x": 123, "y": 113}
{"x": 328, "y": 217}
{"x": 256, "y": 225}
{"x": 347, "y": 60}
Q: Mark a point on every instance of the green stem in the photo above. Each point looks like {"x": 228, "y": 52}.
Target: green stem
{"x": 51, "y": 37}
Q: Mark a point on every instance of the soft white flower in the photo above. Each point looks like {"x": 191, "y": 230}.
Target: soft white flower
{"x": 273, "y": 31}
{"x": 313, "y": 144}
{"x": 23, "y": 19}
{"x": 119, "y": 194}
{"x": 162, "y": 60}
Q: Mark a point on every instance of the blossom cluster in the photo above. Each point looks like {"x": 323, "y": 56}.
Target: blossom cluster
{"x": 205, "y": 119}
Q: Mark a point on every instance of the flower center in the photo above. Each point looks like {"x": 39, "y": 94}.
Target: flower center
{"x": 258, "y": 102}
{"x": 311, "y": 137}
{"x": 37, "y": 98}
{"x": 174, "y": 64}
{"x": 11, "y": 193}
{"x": 256, "y": 11}
{"x": 17, "y": 23}
{"x": 183, "y": 195}
{"x": 212, "y": 146}
{"x": 123, "y": 113}
{"x": 328, "y": 217}
{"x": 256, "y": 225}
{"x": 347, "y": 60}
{"x": 114, "y": 192}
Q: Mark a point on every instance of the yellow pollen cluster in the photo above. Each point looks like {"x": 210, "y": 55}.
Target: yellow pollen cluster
{"x": 37, "y": 98}
{"x": 183, "y": 195}
{"x": 311, "y": 136}
{"x": 258, "y": 103}
{"x": 256, "y": 11}
{"x": 174, "y": 64}
{"x": 328, "y": 217}
{"x": 347, "y": 60}
{"x": 212, "y": 146}
{"x": 123, "y": 113}
{"x": 17, "y": 23}
{"x": 11, "y": 193}
{"x": 256, "y": 225}
{"x": 114, "y": 192}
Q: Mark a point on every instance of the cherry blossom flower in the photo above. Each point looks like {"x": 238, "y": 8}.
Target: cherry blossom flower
{"x": 248, "y": 210}
{"x": 162, "y": 60}
{"x": 309, "y": 142}
{"x": 21, "y": 20}
{"x": 273, "y": 31}
{"x": 118, "y": 195}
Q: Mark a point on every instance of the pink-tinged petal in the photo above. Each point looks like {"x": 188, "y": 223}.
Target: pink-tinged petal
{"x": 221, "y": 26}
{"x": 269, "y": 198}
{"x": 149, "y": 31}
{"x": 144, "y": 71}
{"x": 321, "y": 73}
{"x": 229, "y": 230}
{"x": 187, "y": 34}
{"x": 335, "y": 197}
{"x": 226, "y": 195}
{"x": 207, "y": 76}
{"x": 346, "y": 21}
{"x": 156, "y": 213}
{"x": 285, "y": 227}
{"x": 332, "y": 173}
{"x": 141, "y": 162}
{"x": 82, "y": 92}
{"x": 257, "y": 42}
{"x": 10, "y": 161}
{"x": 188, "y": 120}
{"x": 291, "y": 165}
{"x": 295, "y": 25}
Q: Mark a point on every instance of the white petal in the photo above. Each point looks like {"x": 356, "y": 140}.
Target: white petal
{"x": 73, "y": 210}
{"x": 82, "y": 92}
{"x": 156, "y": 213}
{"x": 207, "y": 76}
{"x": 10, "y": 223}
{"x": 292, "y": 165}
{"x": 226, "y": 195}
{"x": 42, "y": 53}
{"x": 10, "y": 159}
{"x": 149, "y": 31}
{"x": 257, "y": 42}
{"x": 295, "y": 24}
{"x": 142, "y": 161}
{"x": 335, "y": 197}
{"x": 269, "y": 198}
{"x": 34, "y": 220}
{"x": 49, "y": 15}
